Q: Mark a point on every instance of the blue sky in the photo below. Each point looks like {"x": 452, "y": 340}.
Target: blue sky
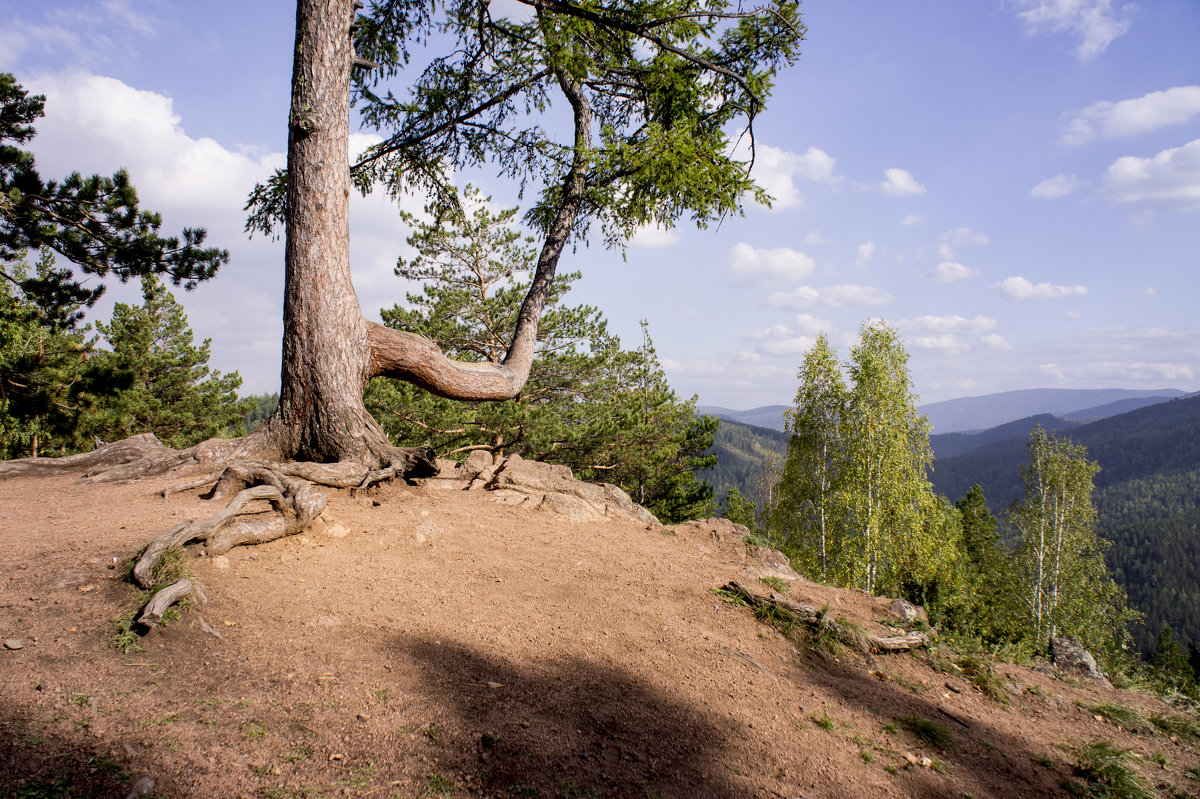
{"x": 1013, "y": 184}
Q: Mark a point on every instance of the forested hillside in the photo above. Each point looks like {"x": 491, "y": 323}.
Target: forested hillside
{"x": 1146, "y": 500}
{"x": 745, "y": 456}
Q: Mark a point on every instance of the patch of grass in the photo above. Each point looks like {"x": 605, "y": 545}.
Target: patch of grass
{"x": 983, "y": 676}
{"x": 823, "y": 721}
{"x": 254, "y": 731}
{"x": 37, "y": 789}
{"x": 364, "y": 774}
{"x": 1124, "y": 717}
{"x": 853, "y": 635}
{"x": 916, "y": 688}
{"x": 940, "y": 766}
{"x": 1174, "y": 724}
{"x": 432, "y": 731}
{"x": 1044, "y": 761}
{"x": 867, "y": 756}
{"x": 1193, "y": 772}
{"x": 777, "y": 617}
{"x": 170, "y": 567}
{"x": 125, "y": 639}
{"x": 777, "y": 584}
{"x": 756, "y": 540}
{"x": 890, "y": 729}
{"x": 932, "y": 732}
{"x": 298, "y": 753}
{"x": 519, "y": 789}
{"x": 381, "y": 694}
{"x": 1108, "y": 767}
{"x": 730, "y": 597}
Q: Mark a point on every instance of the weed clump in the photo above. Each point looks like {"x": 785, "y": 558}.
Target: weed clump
{"x": 932, "y": 732}
{"x": 1109, "y": 772}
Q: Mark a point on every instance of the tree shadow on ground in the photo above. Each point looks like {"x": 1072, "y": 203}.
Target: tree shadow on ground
{"x": 39, "y": 762}
{"x": 983, "y": 759}
{"x": 571, "y": 726}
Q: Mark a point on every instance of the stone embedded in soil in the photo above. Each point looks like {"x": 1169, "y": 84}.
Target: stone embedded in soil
{"x": 13, "y": 643}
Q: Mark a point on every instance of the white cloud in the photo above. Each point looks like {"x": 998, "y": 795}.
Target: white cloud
{"x": 839, "y": 296}
{"x": 99, "y": 124}
{"x": 950, "y": 272}
{"x": 778, "y": 171}
{"x": 780, "y": 340}
{"x": 899, "y": 183}
{"x": 810, "y": 325}
{"x": 1170, "y": 179}
{"x": 1095, "y": 22}
{"x": 911, "y": 220}
{"x": 1018, "y": 288}
{"x": 865, "y": 251}
{"x": 1055, "y": 187}
{"x": 1109, "y": 120}
{"x": 766, "y": 267}
{"x": 951, "y": 240}
{"x": 653, "y": 236}
{"x": 1149, "y": 291}
{"x": 949, "y": 334}
{"x": 815, "y": 238}
{"x": 995, "y": 341}
{"x": 1073, "y": 316}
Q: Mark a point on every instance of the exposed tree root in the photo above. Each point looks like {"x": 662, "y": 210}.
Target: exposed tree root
{"x": 297, "y": 502}
{"x": 152, "y": 614}
{"x": 145, "y": 456}
{"x": 819, "y": 621}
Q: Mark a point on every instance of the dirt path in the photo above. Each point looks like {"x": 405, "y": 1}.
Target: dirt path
{"x": 443, "y": 644}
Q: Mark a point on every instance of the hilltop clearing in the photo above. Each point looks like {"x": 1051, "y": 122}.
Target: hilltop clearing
{"x": 427, "y": 642}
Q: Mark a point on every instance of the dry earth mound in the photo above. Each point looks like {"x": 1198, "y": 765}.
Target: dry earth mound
{"x": 433, "y": 642}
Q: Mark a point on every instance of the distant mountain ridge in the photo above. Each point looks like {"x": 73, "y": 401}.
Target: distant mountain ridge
{"x": 983, "y": 413}
{"x": 973, "y": 414}
{"x": 768, "y": 416}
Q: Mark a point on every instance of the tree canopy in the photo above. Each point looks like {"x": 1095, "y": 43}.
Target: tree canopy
{"x": 591, "y": 404}
{"x": 93, "y": 222}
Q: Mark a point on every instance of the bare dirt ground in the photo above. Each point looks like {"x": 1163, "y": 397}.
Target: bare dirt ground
{"x": 433, "y": 643}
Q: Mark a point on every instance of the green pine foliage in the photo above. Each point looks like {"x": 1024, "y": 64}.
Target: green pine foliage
{"x": 261, "y": 408}
{"x": 739, "y": 510}
{"x": 43, "y": 365}
{"x": 94, "y": 222}
{"x": 749, "y": 459}
{"x": 165, "y": 385}
{"x": 606, "y": 412}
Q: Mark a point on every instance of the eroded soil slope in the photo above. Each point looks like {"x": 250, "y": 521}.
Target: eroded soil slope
{"x": 434, "y": 643}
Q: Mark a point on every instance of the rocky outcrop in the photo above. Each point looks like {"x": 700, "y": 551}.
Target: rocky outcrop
{"x": 549, "y": 488}
{"x": 1068, "y": 655}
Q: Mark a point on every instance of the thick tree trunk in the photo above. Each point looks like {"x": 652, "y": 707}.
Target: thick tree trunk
{"x": 325, "y": 352}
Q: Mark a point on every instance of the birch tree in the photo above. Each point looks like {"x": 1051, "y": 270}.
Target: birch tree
{"x": 1065, "y": 586}
{"x": 887, "y": 458}
{"x": 806, "y": 516}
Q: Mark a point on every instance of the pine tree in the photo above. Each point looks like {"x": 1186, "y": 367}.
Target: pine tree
{"x": 43, "y": 362}
{"x": 1065, "y": 585}
{"x": 807, "y": 517}
{"x": 739, "y": 510}
{"x": 606, "y": 412}
{"x": 986, "y": 568}
{"x": 658, "y": 442}
{"x": 166, "y": 387}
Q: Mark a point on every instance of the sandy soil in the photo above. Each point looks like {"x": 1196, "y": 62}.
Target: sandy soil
{"x": 433, "y": 643}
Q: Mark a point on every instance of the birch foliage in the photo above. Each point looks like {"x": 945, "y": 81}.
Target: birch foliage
{"x": 1065, "y": 586}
